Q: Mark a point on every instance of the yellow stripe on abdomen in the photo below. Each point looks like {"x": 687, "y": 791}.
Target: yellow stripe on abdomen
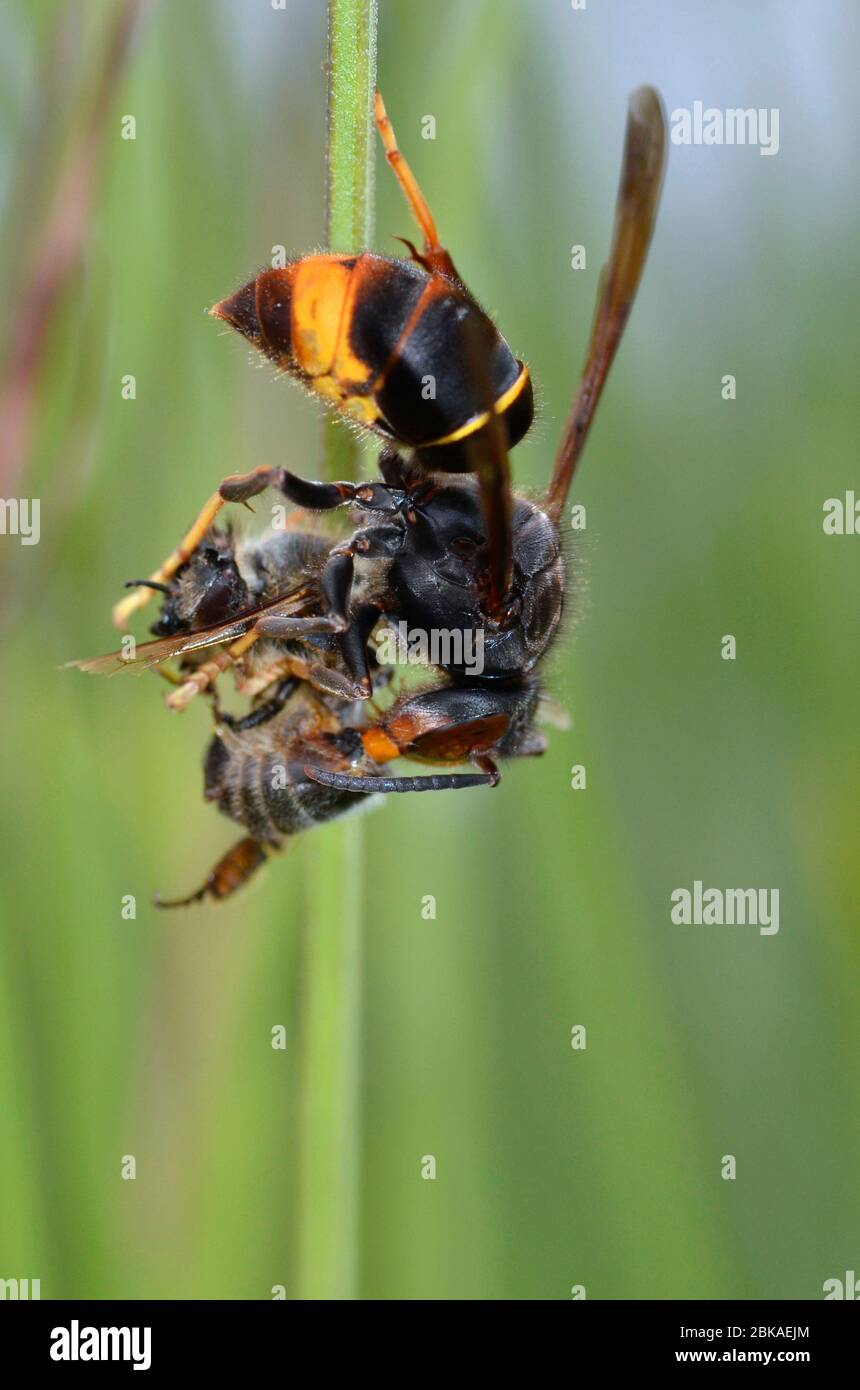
{"x": 477, "y": 422}
{"x": 320, "y": 289}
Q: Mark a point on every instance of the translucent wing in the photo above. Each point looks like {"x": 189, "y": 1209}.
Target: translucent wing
{"x": 487, "y": 451}
{"x": 635, "y": 211}
{"x": 163, "y": 648}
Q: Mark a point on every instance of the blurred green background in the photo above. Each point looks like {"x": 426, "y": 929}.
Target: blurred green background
{"x": 152, "y": 1037}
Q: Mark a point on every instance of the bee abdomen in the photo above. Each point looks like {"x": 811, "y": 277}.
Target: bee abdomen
{"x": 238, "y": 783}
{"x": 268, "y": 791}
{"x": 302, "y": 803}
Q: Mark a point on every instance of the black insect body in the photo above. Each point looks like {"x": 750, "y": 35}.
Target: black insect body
{"x": 439, "y": 576}
{"x": 459, "y": 555}
{"x": 218, "y": 601}
{"x": 419, "y": 557}
{"x": 389, "y": 344}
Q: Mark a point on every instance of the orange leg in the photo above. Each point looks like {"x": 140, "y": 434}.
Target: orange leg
{"x": 250, "y": 684}
{"x": 315, "y": 673}
{"x": 434, "y": 256}
{"x": 123, "y": 610}
{"x": 208, "y": 673}
{"x": 236, "y": 488}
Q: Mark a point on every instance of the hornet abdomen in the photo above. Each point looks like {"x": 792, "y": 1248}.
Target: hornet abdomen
{"x": 389, "y": 344}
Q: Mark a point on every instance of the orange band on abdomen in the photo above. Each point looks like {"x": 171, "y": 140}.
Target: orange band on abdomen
{"x": 320, "y": 290}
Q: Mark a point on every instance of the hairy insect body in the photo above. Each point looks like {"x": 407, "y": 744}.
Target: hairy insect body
{"x": 387, "y": 342}
{"x": 438, "y": 578}
{"x": 403, "y": 349}
{"x": 228, "y": 575}
{"x": 256, "y": 775}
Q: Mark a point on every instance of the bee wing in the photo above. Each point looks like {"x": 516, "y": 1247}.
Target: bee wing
{"x": 163, "y": 648}
{"x": 635, "y": 211}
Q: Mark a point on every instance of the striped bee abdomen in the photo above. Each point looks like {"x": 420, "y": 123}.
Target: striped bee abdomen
{"x": 257, "y": 779}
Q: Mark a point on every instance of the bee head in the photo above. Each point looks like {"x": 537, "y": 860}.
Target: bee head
{"x": 206, "y": 591}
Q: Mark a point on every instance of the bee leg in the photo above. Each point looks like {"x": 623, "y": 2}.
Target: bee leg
{"x": 434, "y": 256}
{"x": 237, "y": 488}
{"x": 325, "y": 678}
{"x": 263, "y": 713}
{"x": 232, "y": 870}
{"x": 295, "y": 668}
{"x": 208, "y": 673}
{"x": 172, "y": 677}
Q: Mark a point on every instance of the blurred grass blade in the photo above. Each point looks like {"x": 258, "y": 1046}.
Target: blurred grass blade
{"x": 331, "y": 1036}
{"x": 58, "y": 249}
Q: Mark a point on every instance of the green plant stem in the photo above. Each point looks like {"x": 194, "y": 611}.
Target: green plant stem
{"x": 330, "y": 1129}
{"x": 350, "y": 163}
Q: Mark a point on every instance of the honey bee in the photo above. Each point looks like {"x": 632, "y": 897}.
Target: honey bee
{"x": 254, "y": 771}
{"x": 301, "y": 758}
{"x": 223, "y": 594}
